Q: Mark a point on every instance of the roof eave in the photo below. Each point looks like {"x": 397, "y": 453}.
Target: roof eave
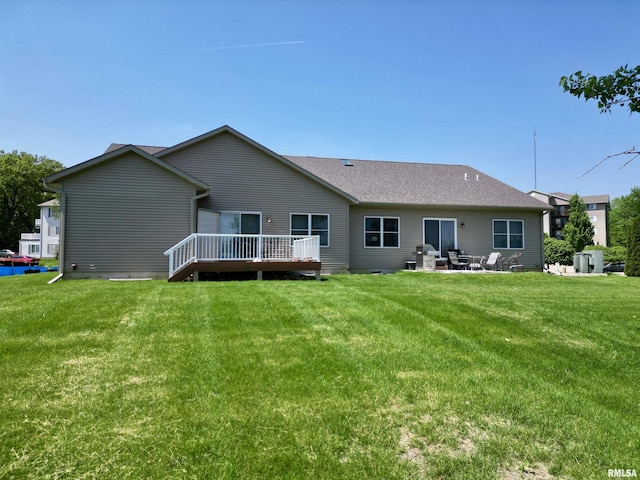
{"x": 456, "y": 206}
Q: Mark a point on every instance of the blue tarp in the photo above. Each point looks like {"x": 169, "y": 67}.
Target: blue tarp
{"x": 6, "y": 271}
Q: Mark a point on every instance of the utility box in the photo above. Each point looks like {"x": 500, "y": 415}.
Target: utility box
{"x": 580, "y": 263}
{"x": 595, "y": 260}
{"x": 588, "y": 261}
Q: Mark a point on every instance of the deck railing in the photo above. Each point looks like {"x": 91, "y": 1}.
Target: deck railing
{"x": 258, "y": 248}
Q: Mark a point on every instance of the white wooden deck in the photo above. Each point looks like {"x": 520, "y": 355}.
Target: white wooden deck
{"x": 237, "y": 253}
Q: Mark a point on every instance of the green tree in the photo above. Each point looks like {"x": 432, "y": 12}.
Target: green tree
{"x": 621, "y": 88}
{"x": 578, "y": 231}
{"x": 632, "y": 263}
{"x": 21, "y": 190}
{"x": 623, "y": 211}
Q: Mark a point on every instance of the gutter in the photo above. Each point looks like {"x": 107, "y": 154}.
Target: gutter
{"x": 63, "y": 207}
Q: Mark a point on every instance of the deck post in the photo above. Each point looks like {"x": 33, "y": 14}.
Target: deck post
{"x": 259, "y": 277}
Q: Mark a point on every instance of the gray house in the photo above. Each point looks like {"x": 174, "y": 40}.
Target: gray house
{"x": 222, "y": 197}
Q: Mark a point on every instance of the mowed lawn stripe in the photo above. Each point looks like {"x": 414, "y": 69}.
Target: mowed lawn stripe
{"x": 363, "y": 376}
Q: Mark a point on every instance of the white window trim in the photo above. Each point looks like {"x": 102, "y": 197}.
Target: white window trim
{"x": 309, "y": 224}
{"x": 493, "y": 233}
{"x": 381, "y": 218}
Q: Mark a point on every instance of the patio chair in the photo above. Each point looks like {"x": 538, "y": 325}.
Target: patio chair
{"x": 491, "y": 263}
{"x": 456, "y": 262}
{"x": 513, "y": 262}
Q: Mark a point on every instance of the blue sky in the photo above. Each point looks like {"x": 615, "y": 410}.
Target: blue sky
{"x": 461, "y": 82}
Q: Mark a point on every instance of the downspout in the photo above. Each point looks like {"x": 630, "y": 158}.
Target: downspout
{"x": 194, "y": 209}
{"x": 63, "y": 209}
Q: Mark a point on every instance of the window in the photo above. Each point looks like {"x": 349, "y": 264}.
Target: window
{"x": 593, "y": 219}
{"x": 311, "y": 224}
{"x": 441, "y": 234}
{"x": 54, "y": 230}
{"x": 52, "y": 249}
{"x": 508, "y": 234}
{"x": 591, "y": 206}
{"x": 34, "y": 249}
{"x": 383, "y": 232}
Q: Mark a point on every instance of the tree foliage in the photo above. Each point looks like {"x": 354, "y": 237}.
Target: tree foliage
{"x": 623, "y": 211}
{"x": 632, "y": 263}
{"x": 579, "y": 230}
{"x": 621, "y": 88}
{"x": 557, "y": 251}
{"x": 21, "y": 190}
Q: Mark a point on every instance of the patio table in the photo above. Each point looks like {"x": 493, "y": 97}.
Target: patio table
{"x": 474, "y": 261}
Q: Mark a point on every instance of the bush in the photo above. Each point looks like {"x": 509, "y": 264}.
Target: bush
{"x": 610, "y": 254}
{"x": 632, "y": 264}
{"x": 557, "y": 251}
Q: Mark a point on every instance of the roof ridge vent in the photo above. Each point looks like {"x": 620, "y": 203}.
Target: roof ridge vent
{"x": 466, "y": 176}
{"x": 346, "y": 162}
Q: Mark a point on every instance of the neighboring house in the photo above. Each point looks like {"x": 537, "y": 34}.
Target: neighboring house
{"x": 596, "y": 206}
{"x": 45, "y": 241}
{"x": 122, "y": 210}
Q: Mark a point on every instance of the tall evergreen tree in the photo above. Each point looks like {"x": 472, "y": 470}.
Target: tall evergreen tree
{"x": 632, "y": 264}
{"x": 578, "y": 231}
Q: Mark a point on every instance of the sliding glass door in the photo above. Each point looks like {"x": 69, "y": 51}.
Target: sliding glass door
{"x": 239, "y": 223}
{"x": 441, "y": 234}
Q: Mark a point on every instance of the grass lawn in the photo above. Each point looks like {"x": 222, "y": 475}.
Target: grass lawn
{"x": 412, "y": 375}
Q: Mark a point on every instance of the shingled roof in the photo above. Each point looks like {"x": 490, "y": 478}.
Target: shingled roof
{"x": 401, "y": 183}
{"x": 586, "y": 199}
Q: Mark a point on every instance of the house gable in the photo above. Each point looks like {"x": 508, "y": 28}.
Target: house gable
{"x": 121, "y": 213}
{"x": 116, "y": 155}
{"x": 169, "y": 154}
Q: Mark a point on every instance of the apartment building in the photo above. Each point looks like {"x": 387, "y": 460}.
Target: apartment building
{"x": 596, "y": 206}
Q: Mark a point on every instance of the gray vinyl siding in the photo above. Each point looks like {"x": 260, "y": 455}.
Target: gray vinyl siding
{"x": 476, "y": 238}
{"x": 245, "y": 178}
{"x": 122, "y": 216}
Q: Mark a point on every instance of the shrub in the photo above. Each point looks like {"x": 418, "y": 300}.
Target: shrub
{"x": 632, "y": 264}
{"x": 610, "y": 254}
{"x": 557, "y": 251}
